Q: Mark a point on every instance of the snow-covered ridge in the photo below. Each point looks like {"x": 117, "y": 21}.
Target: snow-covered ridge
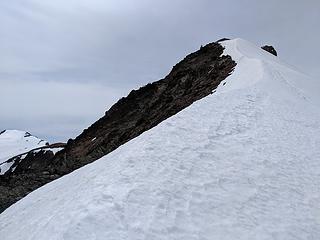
{"x": 242, "y": 163}
{"x": 15, "y": 142}
{"x": 256, "y": 65}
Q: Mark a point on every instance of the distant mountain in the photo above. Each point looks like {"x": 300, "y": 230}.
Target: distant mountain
{"x": 225, "y": 147}
{"x": 14, "y": 142}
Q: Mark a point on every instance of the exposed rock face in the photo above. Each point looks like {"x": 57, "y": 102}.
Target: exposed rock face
{"x": 190, "y": 80}
{"x": 270, "y": 49}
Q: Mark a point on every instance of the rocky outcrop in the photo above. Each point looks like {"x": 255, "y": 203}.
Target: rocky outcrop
{"x": 193, "y": 78}
{"x": 270, "y": 49}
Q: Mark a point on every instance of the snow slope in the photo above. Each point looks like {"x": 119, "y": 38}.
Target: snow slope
{"x": 15, "y": 142}
{"x": 242, "y": 163}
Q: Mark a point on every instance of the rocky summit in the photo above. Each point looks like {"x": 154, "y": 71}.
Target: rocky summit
{"x": 270, "y": 49}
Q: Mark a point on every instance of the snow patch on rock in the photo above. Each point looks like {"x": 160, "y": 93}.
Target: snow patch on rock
{"x": 15, "y": 142}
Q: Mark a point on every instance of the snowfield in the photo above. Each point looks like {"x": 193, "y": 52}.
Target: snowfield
{"x": 242, "y": 163}
{"x": 15, "y": 142}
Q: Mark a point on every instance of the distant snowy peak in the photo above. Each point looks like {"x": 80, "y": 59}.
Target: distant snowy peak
{"x": 15, "y": 142}
{"x": 16, "y": 134}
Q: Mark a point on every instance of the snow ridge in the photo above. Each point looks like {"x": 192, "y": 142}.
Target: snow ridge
{"x": 242, "y": 163}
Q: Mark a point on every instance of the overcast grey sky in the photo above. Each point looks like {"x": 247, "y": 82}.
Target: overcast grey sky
{"x": 64, "y": 63}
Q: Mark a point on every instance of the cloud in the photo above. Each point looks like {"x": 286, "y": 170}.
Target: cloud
{"x": 54, "y": 110}
{"x": 59, "y": 49}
